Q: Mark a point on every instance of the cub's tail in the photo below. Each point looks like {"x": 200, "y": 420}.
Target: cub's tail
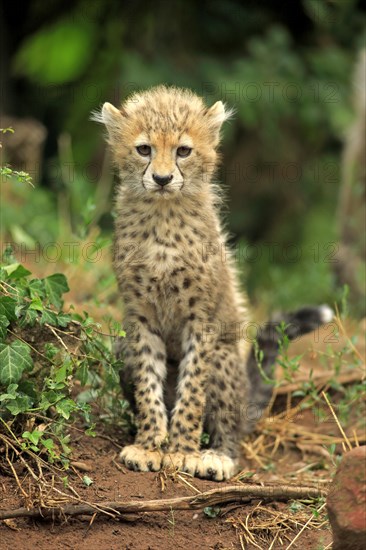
{"x": 296, "y": 324}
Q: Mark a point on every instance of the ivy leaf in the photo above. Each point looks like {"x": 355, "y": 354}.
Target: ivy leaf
{"x": 7, "y": 307}
{"x": 16, "y": 271}
{"x": 63, "y": 319}
{"x": 33, "y": 437}
{"x": 36, "y": 304}
{"x": 14, "y": 359}
{"x": 55, "y": 286}
{"x": 65, "y": 407}
{"x": 61, "y": 374}
{"x": 48, "y": 317}
{"x": 48, "y": 443}
{"x": 82, "y": 372}
{"x": 36, "y": 288}
{"x": 28, "y": 388}
{"x": 12, "y": 393}
{"x": 50, "y": 351}
{"x": 4, "y": 322}
{"x": 19, "y": 405}
{"x": 29, "y": 318}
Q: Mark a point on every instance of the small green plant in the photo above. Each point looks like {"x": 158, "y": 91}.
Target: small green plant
{"x": 44, "y": 353}
{"x": 7, "y": 172}
{"x": 335, "y": 458}
{"x": 290, "y": 365}
{"x": 212, "y": 511}
{"x": 295, "y": 506}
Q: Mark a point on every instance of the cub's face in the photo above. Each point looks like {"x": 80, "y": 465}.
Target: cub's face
{"x": 164, "y": 141}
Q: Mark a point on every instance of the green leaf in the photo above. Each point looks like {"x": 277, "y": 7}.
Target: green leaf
{"x": 29, "y": 317}
{"x": 48, "y": 317}
{"x": 212, "y": 511}
{"x": 50, "y": 350}
{"x": 61, "y": 373}
{"x": 36, "y": 304}
{"x": 7, "y": 307}
{"x": 65, "y": 407}
{"x": 49, "y": 398}
{"x": 87, "y": 481}
{"x": 19, "y": 405}
{"x": 28, "y": 388}
{"x": 16, "y": 271}
{"x": 65, "y": 444}
{"x": 63, "y": 319}
{"x": 36, "y": 288}
{"x": 14, "y": 359}
{"x": 4, "y": 322}
{"x": 33, "y": 437}
{"x": 48, "y": 443}
{"x": 91, "y": 431}
{"x": 82, "y": 372}
{"x": 55, "y": 286}
{"x": 11, "y": 393}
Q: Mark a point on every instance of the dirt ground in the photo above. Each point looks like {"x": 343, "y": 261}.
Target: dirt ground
{"x": 143, "y": 531}
{"x": 285, "y": 449}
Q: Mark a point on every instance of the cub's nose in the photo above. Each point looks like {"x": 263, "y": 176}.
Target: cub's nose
{"x": 162, "y": 180}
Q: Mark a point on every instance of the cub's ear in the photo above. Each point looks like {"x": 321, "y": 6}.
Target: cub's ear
{"x": 216, "y": 116}
{"x": 110, "y": 116}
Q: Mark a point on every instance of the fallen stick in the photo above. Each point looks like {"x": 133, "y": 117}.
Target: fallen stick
{"x": 213, "y": 497}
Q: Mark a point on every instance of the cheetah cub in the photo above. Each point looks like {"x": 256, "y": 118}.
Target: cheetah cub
{"x": 184, "y": 362}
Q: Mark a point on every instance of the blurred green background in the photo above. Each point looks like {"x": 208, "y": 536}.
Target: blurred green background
{"x": 286, "y": 67}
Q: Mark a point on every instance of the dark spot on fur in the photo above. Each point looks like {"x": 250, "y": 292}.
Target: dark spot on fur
{"x": 187, "y": 283}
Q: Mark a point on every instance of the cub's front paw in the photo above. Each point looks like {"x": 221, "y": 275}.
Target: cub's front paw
{"x": 204, "y": 464}
{"x": 139, "y": 459}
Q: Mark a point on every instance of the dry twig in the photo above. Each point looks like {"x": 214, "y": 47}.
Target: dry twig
{"x": 213, "y": 497}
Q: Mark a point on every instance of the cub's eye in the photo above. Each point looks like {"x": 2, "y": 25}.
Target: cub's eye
{"x": 184, "y": 151}
{"x": 144, "y": 150}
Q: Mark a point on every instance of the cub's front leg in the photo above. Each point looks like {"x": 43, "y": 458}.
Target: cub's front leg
{"x": 145, "y": 359}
